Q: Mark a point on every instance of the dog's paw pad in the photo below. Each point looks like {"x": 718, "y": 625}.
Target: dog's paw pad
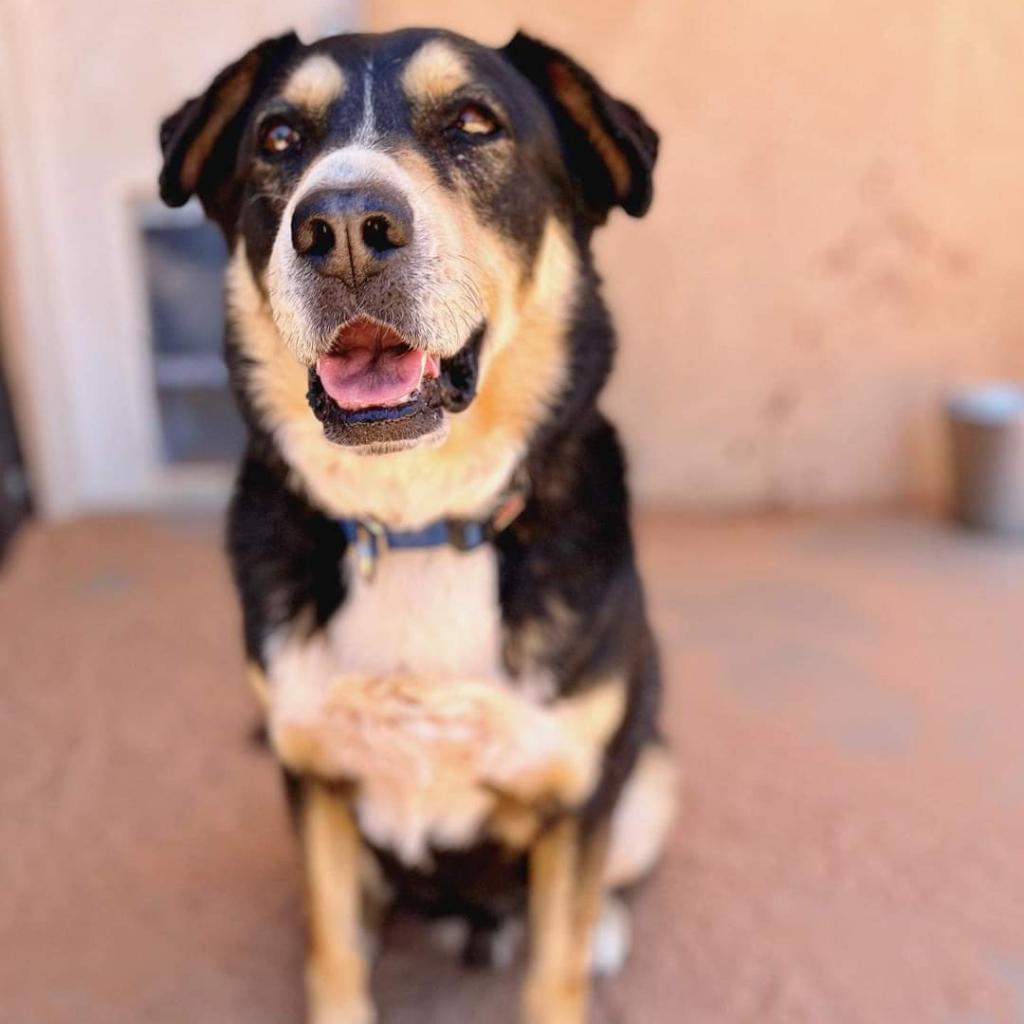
{"x": 609, "y": 946}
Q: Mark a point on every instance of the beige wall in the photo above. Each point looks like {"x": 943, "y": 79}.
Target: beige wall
{"x": 837, "y": 236}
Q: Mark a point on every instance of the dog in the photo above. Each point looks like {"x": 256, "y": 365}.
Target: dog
{"x": 430, "y": 529}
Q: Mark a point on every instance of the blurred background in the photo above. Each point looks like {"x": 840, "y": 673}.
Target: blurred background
{"x": 835, "y": 248}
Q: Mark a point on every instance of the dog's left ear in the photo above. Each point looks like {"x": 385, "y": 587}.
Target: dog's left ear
{"x": 608, "y": 146}
{"x": 200, "y": 140}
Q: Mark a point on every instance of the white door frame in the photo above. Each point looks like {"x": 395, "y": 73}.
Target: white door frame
{"x": 25, "y": 306}
{"x": 79, "y": 108}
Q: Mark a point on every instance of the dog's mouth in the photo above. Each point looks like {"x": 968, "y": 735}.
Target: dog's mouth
{"x": 374, "y": 391}
{"x": 370, "y": 365}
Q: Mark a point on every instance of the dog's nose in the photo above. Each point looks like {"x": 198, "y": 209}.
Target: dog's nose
{"x": 351, "y": 233}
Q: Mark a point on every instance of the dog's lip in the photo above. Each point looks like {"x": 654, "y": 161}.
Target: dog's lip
{"x": 371, "y": 365}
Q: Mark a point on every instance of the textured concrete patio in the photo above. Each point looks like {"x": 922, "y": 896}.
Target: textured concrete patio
{"x": 846, "y": 695}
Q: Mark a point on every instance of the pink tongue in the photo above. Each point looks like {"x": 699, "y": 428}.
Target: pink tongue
{"x": 358, "y": 378}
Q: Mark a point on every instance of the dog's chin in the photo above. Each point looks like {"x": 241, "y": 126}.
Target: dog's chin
{"x": 377, "y": 395}
{"x": 380, "y": 430}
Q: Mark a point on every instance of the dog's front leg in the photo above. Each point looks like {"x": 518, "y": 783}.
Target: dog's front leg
{"x": 337, "y": 984}
{"x": 566, "y": 891}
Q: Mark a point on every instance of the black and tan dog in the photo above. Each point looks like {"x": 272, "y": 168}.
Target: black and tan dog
{"x": 430, "y": 530}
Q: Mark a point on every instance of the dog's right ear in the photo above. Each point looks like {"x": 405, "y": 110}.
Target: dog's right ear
{"x": 200, "y": 140}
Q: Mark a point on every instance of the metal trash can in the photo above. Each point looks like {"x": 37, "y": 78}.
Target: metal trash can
{"x": 987, "y": 427}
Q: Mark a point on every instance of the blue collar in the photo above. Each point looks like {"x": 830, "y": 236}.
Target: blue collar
{"x": 461, "y": 534}
{"x": 371, "y": 540}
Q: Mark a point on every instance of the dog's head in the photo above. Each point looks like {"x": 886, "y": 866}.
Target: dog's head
{"x": 407, "y": 205}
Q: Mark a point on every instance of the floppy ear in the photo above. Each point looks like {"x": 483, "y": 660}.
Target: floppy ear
{"x": 608, "y": 146}
{"x": 200, "y": 140}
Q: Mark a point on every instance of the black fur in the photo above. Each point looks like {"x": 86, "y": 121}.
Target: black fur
{"x": 635, "y": 140}
{"x": 217, "y": 185}
{"x": 572, "y": 544}
{"x": 284, "y": 553}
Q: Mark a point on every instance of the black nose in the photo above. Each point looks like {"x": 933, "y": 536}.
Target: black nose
{"x": 351, "y": 233}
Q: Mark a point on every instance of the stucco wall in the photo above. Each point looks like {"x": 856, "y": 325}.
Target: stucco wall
{"x": 834, "y": 239}
{"x": 838, "y": 231}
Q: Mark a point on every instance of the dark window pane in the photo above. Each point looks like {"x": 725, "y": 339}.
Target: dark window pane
{"x": 185, "y": 259}
{"x": 185, "y": 271}
{"x": 199, "y": 425}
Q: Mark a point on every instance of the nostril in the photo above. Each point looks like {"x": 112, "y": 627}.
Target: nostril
{"x": 380, "y": 234}
{"x": 312, "y": 236}
{"x": 321, "y": 238}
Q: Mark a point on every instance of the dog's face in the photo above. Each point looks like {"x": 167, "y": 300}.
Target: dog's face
{"x": 395, "y": 195}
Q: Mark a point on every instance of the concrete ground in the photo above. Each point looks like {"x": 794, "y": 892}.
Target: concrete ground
{"x": 846, "y": 695}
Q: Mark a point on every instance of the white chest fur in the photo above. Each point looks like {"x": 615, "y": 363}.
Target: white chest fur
{"x": 404, "y": 694}
{"x": 429, "y": 611}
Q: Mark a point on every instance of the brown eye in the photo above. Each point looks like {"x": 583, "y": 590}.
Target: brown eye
{"x": 279, "y": 137}
{"x": 475, "y": 120}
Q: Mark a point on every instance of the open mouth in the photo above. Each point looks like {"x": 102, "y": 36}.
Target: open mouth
{"x": 371, "y": 366}
{"x": 375, "y": 391}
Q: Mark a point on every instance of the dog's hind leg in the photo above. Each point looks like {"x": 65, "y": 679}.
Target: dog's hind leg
{"x": 639, "y": 827}
{"x": 337, "y": 983}
{"x": 566, "y": 894}
{"x": 642, "y": 817}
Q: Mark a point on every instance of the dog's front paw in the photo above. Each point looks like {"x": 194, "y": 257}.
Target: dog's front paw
{"x": 555, "y": 1001}
{"x": 338, "y": 997}
{"x": 352, "y": 1011}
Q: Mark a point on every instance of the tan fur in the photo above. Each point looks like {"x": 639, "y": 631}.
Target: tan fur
{"x": 315, "y": 84}
{"x": 403, "y": 698}
{"x": 230, "y": 99}
{"x": 434, "y": 757}
{"x": 486, "y": 270}
{"x": 524, "y": 368}
{"x": 571, "y": 94}
{"x": 258, "y": 684}
{"x": 566, "y": 890}
{"x": 404, "y": 691}
{"x": 640, "y": 822}
{"x": 472, "y": 748}
{"x": 336, "y": 972}
{"x": 434, "y": 71}
{"x": 514, "y": 824}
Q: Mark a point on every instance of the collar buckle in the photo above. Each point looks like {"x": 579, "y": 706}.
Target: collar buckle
{"x": 464, "y": 535}
{"x": 371, "y": 542}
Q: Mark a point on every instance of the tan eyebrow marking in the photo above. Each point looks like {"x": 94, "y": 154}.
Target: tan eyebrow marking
{"x": 435, "y": 70}
{"x": 315, "y": 83}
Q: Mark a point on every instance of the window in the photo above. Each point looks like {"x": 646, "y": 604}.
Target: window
{"x": 184, "y": 258}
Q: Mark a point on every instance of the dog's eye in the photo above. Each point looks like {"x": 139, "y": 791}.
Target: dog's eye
{"x": 473, "y": 119}
{"x": 277, "y": 137}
